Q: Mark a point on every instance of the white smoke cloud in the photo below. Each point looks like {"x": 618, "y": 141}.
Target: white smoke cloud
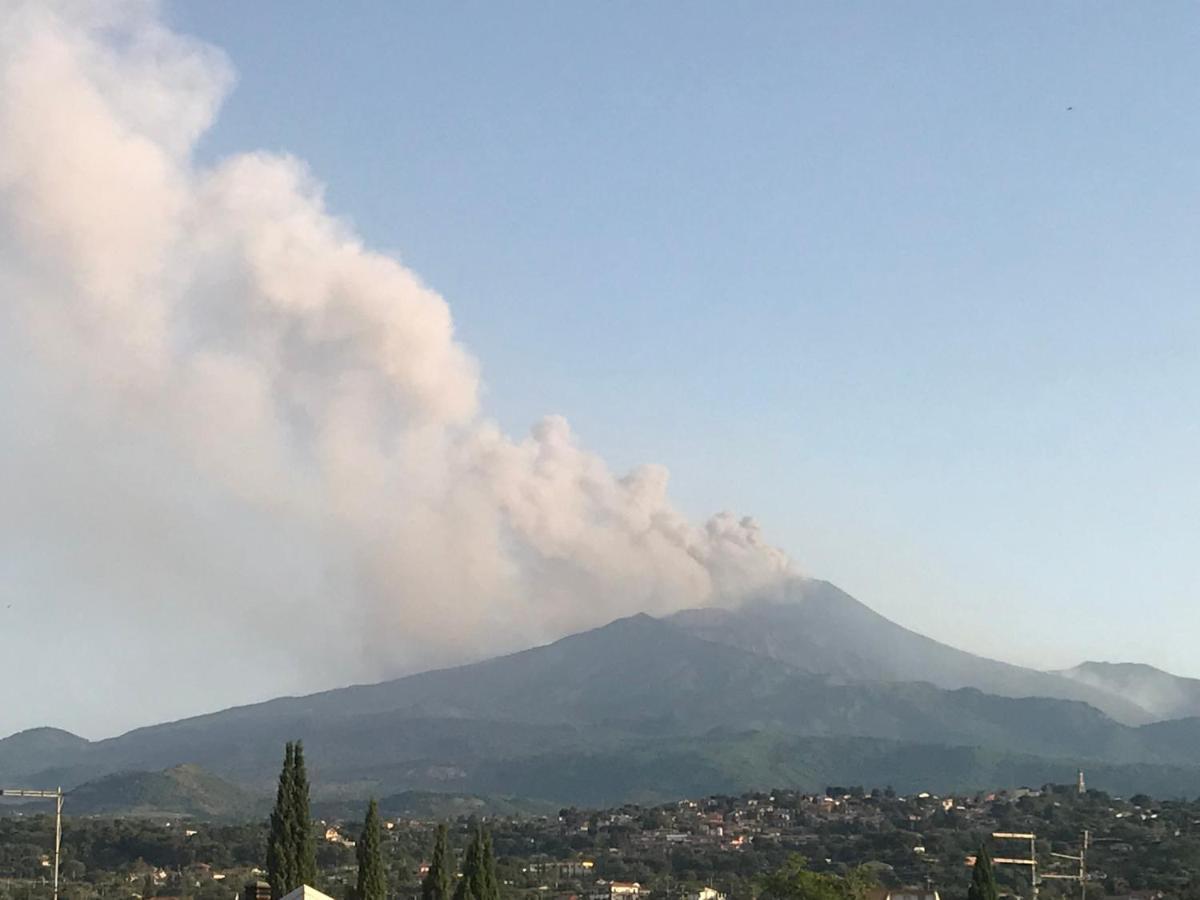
{"x": 206, "y": 351}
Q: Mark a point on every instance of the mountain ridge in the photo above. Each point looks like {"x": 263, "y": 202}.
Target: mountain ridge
{"x": 1164, "y": 695}
{"x": 636, "y": 689}
{"x": 181, "y": 791}
{"x": 808, "y": 623}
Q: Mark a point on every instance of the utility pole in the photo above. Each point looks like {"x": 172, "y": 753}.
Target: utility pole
{"x": 1081, "y": 876}
{"x": 1017, "y": 861}
{"x": 57, "y": 797}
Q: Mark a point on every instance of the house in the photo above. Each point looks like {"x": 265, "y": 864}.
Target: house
{"x": 577, "y": 868}
{"x": 615, "y": 890}
{"x": 304, "y": 892}
{"x": 563, "y": 870}
{"x": 705, "y": 893}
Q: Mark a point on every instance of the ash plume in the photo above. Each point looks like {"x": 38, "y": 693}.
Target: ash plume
{"x": 231, "y": 421}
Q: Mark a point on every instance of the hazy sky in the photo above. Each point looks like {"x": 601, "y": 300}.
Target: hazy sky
{"x": 916, "y": 286}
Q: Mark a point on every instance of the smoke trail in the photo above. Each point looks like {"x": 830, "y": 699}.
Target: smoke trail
{"x": 232, "y": 411}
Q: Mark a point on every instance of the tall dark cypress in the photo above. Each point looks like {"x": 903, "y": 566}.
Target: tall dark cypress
{"x": 371, "y": 884}
{"x": 470, "y": 886}
{"x": 303, "y": 844}
{"x": 436, "y": 885}
{"x": 983, "y": 878}
{"x": 281, "y": 854}
{"x": 489, "y": 883}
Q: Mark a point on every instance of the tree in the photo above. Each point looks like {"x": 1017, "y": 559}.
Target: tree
{"x": 281, "y": 855}
{"x": 371, "y": 884}
{"x": 795, "y": 881}
{"x": 436, "y": 885}
{"x": 479, "y": 881}
{"x": 983, "y": 878}
{"x": 291, "y": 851}
{"x": 490, "y": 881}
{"x": 305, "y": 846}
{"x": 466, "y": 889}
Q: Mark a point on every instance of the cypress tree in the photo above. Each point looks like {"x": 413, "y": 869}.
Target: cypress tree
{"x": 371, "y": 884}
{"x": 983, "y": 878}
{"x": 303, "y": 845}
{"x": 489, "y": 883}
{"x": 281, "y": 856}
{"x": 436, "y": 885}
{"x": 469, "y": 886}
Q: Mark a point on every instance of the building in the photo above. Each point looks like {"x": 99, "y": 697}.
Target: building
{"x": 304, "y": 892}
{"x": 706, "y": 893}
{"x": 563, "y": 870}
{"x": 616, "y": 890}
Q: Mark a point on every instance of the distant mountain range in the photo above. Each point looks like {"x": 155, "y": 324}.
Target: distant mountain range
{"x": 803, "y": 689}
{"x": 816, "y": 627}
{"x": 1161, "y": 694}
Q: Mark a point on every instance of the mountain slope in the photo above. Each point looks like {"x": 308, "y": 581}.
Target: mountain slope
{"x": 635, "y": 677}
{"x": 38, "y": 749}
{"x": 625, "y": 699}
{"x": 819, "y": 628}
{"x": 180, "y": 791}
{"x": 1163, "y": 695}
{"x": 664, "y": 770}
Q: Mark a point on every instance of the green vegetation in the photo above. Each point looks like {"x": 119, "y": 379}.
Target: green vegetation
{"x": 371, "y": 884}
{"x": 291, "y": 853}
{"x": 478, "y": 881}
{"x": 653, "y": 771}
{"x": 436, "y": 885}
{"x": 731, "y": 842}
{"x": 177, "y": 792}
{"x": 983, "y": 877}
{"x": 794, "y": 880}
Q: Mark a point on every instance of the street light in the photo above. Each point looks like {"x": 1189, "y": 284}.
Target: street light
{"x": 57, "y": 797}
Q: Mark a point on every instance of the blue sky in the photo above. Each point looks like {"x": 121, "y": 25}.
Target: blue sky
{"x": 913, "y": 284}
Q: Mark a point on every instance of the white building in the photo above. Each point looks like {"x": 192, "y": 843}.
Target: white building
{"x": 305, "y": 892}
{"x": 616, "y": 890}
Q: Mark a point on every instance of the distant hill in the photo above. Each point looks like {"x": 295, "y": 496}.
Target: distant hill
{"x": 181, "y": 792}
{"x": 664, "y": 770}
{"x": 644, "y": 707}
{"x": 819, "y": 628}
{"x": 439, "y": 805}
{"x": 38, "y": 749}
{"x": 1163, "y": 695}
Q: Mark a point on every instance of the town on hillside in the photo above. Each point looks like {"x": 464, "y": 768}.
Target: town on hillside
{"x": 916, "y": 847}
